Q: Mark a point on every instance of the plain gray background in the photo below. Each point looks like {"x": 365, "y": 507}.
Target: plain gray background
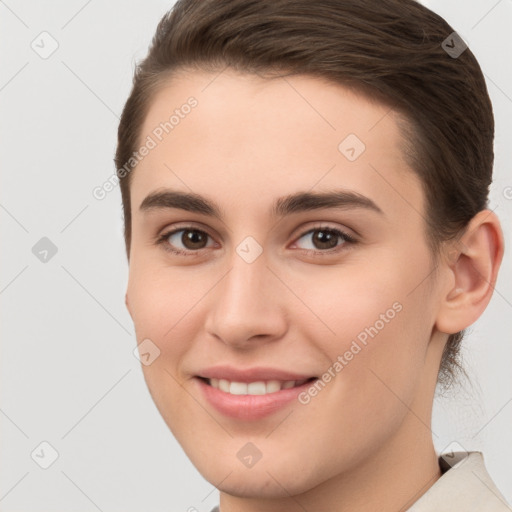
{"x": 68, "y": 373}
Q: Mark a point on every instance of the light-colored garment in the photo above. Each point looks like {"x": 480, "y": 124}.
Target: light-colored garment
{"x": 464, "y": 486}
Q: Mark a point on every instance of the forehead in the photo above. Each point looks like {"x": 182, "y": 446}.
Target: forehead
{"x": 239, "y": 136}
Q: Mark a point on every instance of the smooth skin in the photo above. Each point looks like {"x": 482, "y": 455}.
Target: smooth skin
{"x": 364, "y": 442}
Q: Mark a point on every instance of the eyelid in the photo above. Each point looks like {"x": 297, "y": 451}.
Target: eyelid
{"x": 191, "y": 225}
{"x": 348, "y": 233}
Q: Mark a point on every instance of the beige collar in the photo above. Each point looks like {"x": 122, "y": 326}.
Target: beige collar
{"x": 464, "y": 486}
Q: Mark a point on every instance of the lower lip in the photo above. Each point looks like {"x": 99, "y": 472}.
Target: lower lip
{"x": 250, "y": 407}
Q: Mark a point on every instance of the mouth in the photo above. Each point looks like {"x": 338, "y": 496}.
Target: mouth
{"x": 251, "y": 394}
{"x": 255, "y": 388}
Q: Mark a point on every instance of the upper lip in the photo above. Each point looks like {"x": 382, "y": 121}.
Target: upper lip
{"x": 253, "y": 374}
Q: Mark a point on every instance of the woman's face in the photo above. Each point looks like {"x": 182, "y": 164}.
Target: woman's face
{"x": 296, "y": 336}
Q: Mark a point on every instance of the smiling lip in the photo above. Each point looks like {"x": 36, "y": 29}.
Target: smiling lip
{"x": 251, "y": 406}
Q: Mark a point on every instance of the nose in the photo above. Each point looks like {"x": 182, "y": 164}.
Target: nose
{"x": 247, "y": 306}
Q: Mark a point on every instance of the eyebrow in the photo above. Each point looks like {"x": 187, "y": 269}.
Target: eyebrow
{"x": 294, "y": 203}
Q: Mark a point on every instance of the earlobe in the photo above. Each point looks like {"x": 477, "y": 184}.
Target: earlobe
{"x": 473, "y": 264}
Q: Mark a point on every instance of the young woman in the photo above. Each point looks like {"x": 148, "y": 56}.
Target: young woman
{"x": 305, "y": 190}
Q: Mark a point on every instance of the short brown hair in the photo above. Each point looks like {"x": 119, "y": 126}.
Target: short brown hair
{"x": 388, "y": 49}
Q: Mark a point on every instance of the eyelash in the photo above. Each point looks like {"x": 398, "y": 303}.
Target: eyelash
{"x": 345, "y": 237}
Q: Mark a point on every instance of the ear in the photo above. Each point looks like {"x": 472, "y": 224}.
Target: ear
{"x": 472, "y": 264}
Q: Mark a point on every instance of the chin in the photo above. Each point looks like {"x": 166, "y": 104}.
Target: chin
{"x": 271, "y": 485}
{"x": 277, "y": 476}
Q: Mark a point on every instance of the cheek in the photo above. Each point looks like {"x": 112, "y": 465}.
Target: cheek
{"x": 162, "y": 299}
{"x": 362, "y": 302}
{"x": 377, "y": 359}
{"x": 162, "y": 304}
{"x": 380, "y": 321}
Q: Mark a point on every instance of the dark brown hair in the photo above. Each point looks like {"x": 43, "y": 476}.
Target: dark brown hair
{"x": 390, "y": 50}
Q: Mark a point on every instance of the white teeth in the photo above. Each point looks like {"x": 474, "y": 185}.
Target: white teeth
{"x": 273, "y": 386}
{"x": 238, "y": 388}
{"x": 252, "y": 388}
{"x": 223, "y": 385}
{"x": 256, "y": 388}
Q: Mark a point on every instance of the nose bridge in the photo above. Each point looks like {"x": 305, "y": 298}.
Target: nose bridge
{"x": 245, "y": 302}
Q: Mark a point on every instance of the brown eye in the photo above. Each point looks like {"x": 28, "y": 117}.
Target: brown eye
{"x": 185, "y": 240}
{"x": 194, "y": 239}
{"x": 324, "y": 239}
